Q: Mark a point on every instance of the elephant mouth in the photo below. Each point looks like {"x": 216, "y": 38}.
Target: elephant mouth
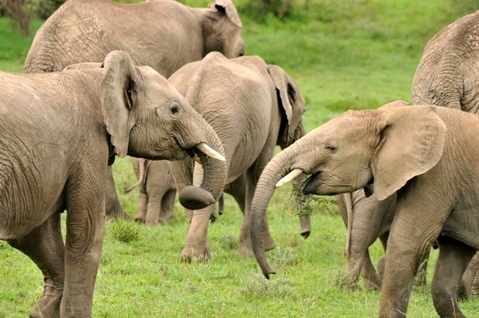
{"x": 312, "y": 183}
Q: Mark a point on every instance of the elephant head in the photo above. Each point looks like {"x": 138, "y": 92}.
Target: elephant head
{"x": 222, "y": 30}
{"x": 146, "y": 116}
{"x": 352, "y": 151}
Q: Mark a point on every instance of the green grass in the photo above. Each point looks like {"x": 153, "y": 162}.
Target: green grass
{"x": 351, "y": 55}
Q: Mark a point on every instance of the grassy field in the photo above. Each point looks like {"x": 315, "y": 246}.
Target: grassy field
{"x": 353, "y": 55}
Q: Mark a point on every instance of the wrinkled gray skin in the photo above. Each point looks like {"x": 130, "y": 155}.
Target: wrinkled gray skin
{"x": 157, "y": 192}
{"x": 448, "y": 73}
{"x": 252, "y": 107}
{"x": 366, "y": 220}
{"x": 372, "y": 219}
{"x": 426, "y": 154}
{"x": 469, "y": 286}
{"x": 86, "y": 116}
{"x": 163, "y": 34}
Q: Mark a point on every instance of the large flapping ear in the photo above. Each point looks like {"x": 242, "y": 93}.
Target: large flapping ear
{"x": 290, "y": 99}
{"x": 228, "y": 8}
{"x": 83, "y": 66}
{"x": 411, "y": 143}
{"x": 115, "y": 99}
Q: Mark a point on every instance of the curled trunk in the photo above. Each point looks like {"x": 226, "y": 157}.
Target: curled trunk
{"x": 214, "y": 170}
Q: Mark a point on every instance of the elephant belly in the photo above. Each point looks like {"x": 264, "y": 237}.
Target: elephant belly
{"x": 463, "y": 225}
{"x": 25, "y": 201}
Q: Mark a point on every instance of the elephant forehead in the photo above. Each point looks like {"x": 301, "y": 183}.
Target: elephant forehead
{"x": 349, "y": 125}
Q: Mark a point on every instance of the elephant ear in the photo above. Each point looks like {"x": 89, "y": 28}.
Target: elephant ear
{"x": 228, "y": 8}
{"x": 411, "y": 142}
{"x": 292, "y": 103}
{"x": 115, "y": 94}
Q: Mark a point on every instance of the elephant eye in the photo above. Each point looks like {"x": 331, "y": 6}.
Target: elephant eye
{"x": 175, "y": 110}
{"x": 331, "y": 146}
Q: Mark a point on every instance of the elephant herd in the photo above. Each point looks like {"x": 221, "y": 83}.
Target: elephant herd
{"x": 169, "y": 85}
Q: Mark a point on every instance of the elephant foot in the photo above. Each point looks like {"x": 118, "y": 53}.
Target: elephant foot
{"x": 372, "y": 285}
{"x": 245, "y": 248}
{"x": 49, "y": 304}
{"x": 165, "y": 220}
{"x": 139, "y": 219}
{"x": 117, "y": 214}
{"x": 190, "y": 254}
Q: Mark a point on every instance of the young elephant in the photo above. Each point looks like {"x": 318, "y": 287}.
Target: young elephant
{"x": 252, "y": 107}
{"x": 157, "y": 192}
{"x": 162, "y": 34}
{"x": 426, "y": 154}
{"x": 367, "y": 219}
{"x": 59, "y": 133}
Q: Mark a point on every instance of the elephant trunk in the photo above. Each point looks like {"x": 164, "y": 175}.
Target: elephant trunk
{"x": 305, "y": 221}
{"x": 214, "y": 169}
{"x": 278, "y": 167}
{"x": 302, "y": 201}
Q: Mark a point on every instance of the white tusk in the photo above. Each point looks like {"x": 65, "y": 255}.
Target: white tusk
{"x": 210, "y": 152}
{"x": 289, "y": 177}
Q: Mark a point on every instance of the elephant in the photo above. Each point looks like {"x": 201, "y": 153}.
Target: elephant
{"x": 253, "y": 107}
{"x": 364, "y": 229}
{"x": 424, "y": 153}
{"x": 157, "y": 192}
{"x": 162, "y": 34}
{"x": 60, "y": 131}
{"x": 447, "y": 73}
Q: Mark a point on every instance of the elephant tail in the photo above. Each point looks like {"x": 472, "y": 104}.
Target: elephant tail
{"x": 141, "y": 175}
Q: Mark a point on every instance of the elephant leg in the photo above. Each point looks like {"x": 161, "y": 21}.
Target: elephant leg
{"x": 85, "y": 226}
{"x": 196, "y": 246}
{"x": 45, "y": 247}
{"x": 154, "y": 205}
{"x": 382, "y": 261}
{"x": 167, "y": 207}
{"x": 403, "y": 255}
{"x": 469, "y": 279}
{"x": 370, "y": 277}
{"x": 141, "y": 208}
{"x": 112, "y": 203}
{"x": 453, "y": 259}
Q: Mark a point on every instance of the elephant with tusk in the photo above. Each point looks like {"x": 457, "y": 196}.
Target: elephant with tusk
{"x": 426, "y": 154}
{"x": 60, "y": 131}
{"x": 253, "y": 107}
